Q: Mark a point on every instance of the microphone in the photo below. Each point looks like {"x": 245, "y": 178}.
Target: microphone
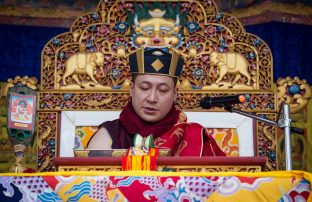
{"x": 297, "y": 130}
{"x": 208, "y": 102}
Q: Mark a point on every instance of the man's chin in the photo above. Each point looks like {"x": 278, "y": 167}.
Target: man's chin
{"x": 150, "y": 119}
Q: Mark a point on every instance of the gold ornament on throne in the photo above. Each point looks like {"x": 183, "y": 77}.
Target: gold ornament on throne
{"x": 83, "y": 63}
{"x": 156, "y": 25}
{"x": 157, "y": 32}
{"x": 294, "y": 92}
{"x": 230, "y": 63}
{"x": 30, "y": 82}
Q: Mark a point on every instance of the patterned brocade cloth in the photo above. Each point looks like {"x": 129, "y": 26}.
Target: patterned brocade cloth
{"x": 156, "y": 186}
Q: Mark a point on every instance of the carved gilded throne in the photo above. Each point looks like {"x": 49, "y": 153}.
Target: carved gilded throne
{"x": 86, "y": 69}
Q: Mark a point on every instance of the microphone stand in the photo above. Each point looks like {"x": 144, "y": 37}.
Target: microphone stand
{"x": 283, "y": 123}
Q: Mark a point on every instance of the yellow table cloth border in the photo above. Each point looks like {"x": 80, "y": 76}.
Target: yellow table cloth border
{"x": 293, "y": 173}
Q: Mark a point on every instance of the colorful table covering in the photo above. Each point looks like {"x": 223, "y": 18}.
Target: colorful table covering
{"x": 156, "y": 186}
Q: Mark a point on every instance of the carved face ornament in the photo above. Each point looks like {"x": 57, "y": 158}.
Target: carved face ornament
{"x": 157, "y": 32}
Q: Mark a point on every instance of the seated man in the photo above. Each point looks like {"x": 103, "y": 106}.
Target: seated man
{"x": 151, "y": 110}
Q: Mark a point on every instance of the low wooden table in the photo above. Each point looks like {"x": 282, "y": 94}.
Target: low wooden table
{"x": 194, "y": 164}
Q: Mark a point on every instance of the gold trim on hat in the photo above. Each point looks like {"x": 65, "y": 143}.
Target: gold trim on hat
{"x": 173, "y": 63}
{"x": 140, "y": 60}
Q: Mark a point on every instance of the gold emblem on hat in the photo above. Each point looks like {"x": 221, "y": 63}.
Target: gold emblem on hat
{"x": 157, "y": 65}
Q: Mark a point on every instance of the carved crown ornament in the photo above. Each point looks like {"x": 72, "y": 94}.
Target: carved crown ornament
{"x": 218, "y": 53}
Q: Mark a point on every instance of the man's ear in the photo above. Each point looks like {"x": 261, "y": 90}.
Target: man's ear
{"x": 175, "y": 94}
{"x": 131, "y": 88}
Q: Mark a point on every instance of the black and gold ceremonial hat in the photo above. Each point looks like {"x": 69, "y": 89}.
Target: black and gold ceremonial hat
{"x": 156, "y": 61}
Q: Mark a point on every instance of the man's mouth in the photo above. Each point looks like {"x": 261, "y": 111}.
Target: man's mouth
{"x": 150, "y": 110}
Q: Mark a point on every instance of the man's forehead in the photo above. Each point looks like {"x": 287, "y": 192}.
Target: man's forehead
{"x": 150, "y": 78}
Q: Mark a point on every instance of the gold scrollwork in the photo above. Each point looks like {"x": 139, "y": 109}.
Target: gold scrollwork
{"x": 30, "y": 82}
{"x": 99, "y": 103}
{"x": 294, "y": 92}
{"x": 45, "y": 134}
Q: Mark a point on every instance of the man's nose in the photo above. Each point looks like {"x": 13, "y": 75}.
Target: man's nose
{"x": 152, "y": 96}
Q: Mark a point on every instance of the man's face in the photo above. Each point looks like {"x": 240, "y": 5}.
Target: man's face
{"x": 152, "y": 96}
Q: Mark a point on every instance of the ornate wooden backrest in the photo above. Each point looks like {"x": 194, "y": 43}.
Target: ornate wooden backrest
{"x": 86, "y": 69}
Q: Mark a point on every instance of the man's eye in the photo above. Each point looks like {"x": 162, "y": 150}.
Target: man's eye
{"x": 144, "y": 88}
{"x": 163, "y": 90}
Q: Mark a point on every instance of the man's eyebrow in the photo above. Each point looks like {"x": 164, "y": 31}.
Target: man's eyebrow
{"x": 164, "y": 84}
{"x": 159, "y": 84}
{"x": 147, "y": 82}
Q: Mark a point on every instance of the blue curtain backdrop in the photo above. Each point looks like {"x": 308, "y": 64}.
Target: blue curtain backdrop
{"x": 21, "y": 46}
{"x": 291, "y": 48}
